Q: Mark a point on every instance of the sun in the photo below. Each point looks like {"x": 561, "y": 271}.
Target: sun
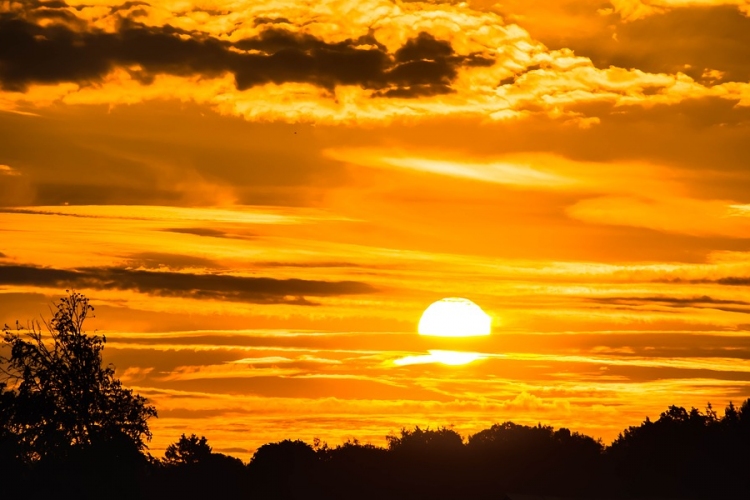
{"x": 454, "y": 317}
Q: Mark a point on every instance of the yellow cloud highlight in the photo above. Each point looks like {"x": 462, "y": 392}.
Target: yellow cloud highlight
{"x": 450, "y": 358}
{"x": 7, "y": 170}
{"x": 499, "y": 173}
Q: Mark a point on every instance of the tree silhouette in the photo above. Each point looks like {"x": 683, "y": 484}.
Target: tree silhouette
{"x": 444, "y": 439}
{"x": 61, "y": 398}
{"x": 188, "y": 450}
{"x": 285, "y": 470}
{"x": 190, "y": 470}
{"x": 537, "y": 459}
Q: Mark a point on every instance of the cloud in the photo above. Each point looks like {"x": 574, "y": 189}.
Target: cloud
{"x": 390, "y": 61}
{"x": 314, "y": 264}
{"x": 730, "y": 280}
{"x": 207, "y": 232}
{"x": 6, "y": 170}
{"x": 679, "y": 301}
{"x": 171, "y": 284}
{"x": 56, "y": 53}
{"x": 701, "y": 302}
{"x": 672, "y": 214}
{"x": 709, "y": 43}
{"x": 633, "y": 10}
{"x": 512, "y": 172}
{"x": 161, "y": 260}
{"x": 237, "y": 214}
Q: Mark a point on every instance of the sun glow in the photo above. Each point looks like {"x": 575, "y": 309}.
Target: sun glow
{"x": 454, "y": 317}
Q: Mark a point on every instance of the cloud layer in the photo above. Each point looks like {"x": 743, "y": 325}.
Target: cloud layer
{"x": 392, "y": 60}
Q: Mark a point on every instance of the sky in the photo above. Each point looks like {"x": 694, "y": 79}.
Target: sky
{"x": 261, "y": 198}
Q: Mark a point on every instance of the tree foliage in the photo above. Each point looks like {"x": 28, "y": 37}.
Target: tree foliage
{"x": 443, "y": 439}
{"x": 59, "y": 396}
{"x": 188, "y": 450}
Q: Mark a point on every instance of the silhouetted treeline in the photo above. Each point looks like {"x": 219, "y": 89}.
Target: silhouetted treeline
{"x": 69, "y": 429}
{"x": 682, "y": 454}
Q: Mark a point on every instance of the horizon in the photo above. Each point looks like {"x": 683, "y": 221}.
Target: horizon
{"x": 262, "y": 199}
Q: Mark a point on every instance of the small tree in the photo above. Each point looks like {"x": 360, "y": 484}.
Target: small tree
{"x": 188, "y": 450}
{"x": 63, "y": 397}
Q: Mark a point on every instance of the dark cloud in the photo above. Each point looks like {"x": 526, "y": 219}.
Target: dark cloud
{"x": 208, "y": 232}
{"x": 690, "y": 40}
{"x": 271, "y": 20}
{"x": 734, "y": 281}
{"x": 703, "y": 302}
{"x": 3, "y": 256}
{"x": 727, "y": 280}
{"x": 260, "y": 290}
{"x": 669, "y": 300}
{"x": 57, "y": 52}
{"x": 127, "y": 6}
{"x": 424, "y": 46}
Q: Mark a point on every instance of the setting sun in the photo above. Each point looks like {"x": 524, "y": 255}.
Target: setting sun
{"x": 454, "y": 317}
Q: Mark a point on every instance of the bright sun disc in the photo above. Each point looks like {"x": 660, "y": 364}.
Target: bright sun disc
{"x": 454, "y": 317}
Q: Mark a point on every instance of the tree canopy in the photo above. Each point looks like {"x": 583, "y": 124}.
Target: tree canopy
{"x": 56, "y": 393}
{"x": 188, "y": 450}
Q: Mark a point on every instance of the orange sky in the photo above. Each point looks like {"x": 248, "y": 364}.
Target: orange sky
{"x": 261, "y": 198}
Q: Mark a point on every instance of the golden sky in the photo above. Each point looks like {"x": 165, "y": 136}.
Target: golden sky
{"x": 261, "y": 198}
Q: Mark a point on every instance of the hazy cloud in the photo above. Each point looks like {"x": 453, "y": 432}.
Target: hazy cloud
{"x": 158, "y": 260}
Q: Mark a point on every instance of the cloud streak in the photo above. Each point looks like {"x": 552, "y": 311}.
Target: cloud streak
{"x": 187, "y": 285}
